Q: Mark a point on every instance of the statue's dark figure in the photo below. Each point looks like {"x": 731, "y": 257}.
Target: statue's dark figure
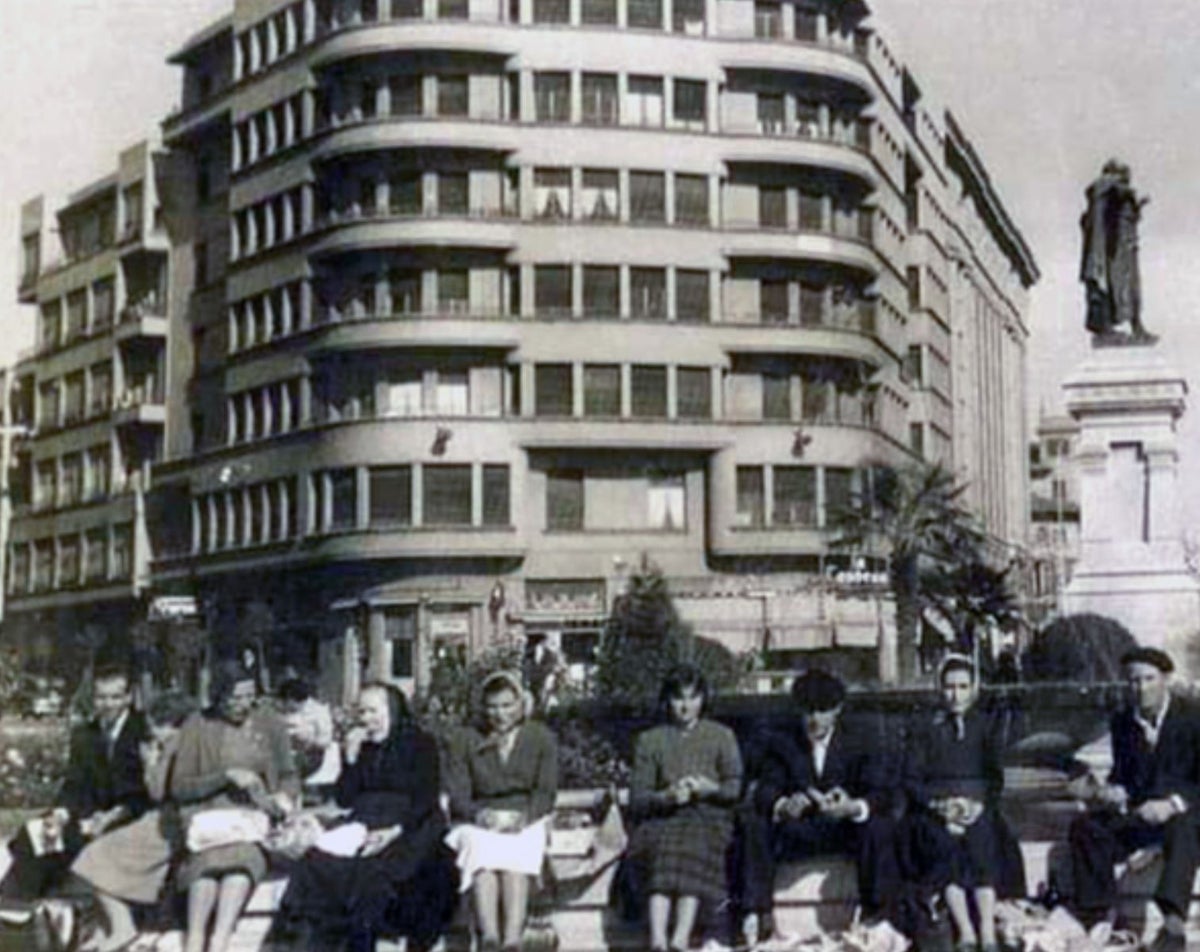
{"x": 1109, "y": 268}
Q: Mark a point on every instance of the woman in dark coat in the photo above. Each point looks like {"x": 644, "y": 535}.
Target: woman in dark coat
{"x": 399, "y": 878}
{"x": 957, "y": 840}
{"x": 687, "y": 775}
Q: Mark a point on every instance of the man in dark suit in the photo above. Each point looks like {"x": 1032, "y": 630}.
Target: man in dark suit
{"x": 104, "y": 787}
{"x": 819, "y": 791}
{"x": 1152, "y": 798}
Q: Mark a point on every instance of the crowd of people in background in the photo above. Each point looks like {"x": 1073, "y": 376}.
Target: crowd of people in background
{"x": 175, "y": 800}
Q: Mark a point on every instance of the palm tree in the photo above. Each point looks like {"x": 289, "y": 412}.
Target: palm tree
{"x": 913, "y": 516}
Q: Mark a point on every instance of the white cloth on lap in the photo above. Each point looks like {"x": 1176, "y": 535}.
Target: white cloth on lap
{"x": 480, "y": 849}
{"x": 226, "y": 826}
{"x": 344, "y": 840}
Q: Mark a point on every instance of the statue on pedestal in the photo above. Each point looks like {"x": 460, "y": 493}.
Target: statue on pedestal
{"x": 1109, "y": 267}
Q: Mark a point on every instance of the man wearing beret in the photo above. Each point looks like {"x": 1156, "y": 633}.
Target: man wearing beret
{"x": 1152, "y": 798}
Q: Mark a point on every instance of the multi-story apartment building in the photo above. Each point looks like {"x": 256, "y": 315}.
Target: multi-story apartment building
{"x": 85, "y": 409}
{"x": 475, "y": 303}
{"x": 1053, "y": 513}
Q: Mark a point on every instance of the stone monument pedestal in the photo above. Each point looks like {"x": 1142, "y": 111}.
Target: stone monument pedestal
{"x": 1132, "y": 565}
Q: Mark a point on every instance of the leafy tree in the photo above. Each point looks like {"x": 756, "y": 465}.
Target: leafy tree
{"x": 1083, "y": 647}
{"x": 645, "y": 637}
{"x": 913, "y": 514}
{"x": 974, "y": 596}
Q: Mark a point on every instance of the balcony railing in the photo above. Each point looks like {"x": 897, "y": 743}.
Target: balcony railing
{"x": 857, "y": 316}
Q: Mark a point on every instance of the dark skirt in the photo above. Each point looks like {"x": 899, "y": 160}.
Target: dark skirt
{"x": 986, "y": 854}
{"x": 409, "y": 889}
{"x": 684, "y": 853}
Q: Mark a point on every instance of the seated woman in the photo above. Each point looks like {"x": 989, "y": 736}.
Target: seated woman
{"x": 956, "y": 841}
{"x": 231, "y": 755}
{"x": 502, "y": 782}
{"x": 310, "y": 726}
{"x": 687, "y": 775}
{"x": 387, "y": 870}
{"x": 131, "y": 863}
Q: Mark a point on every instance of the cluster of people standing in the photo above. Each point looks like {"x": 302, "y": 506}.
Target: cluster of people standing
{"x": 181, "y": 799}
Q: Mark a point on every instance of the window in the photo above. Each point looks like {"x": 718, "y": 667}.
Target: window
{"x": 750, "y": 497}
{"x": 406, "y": 95}
{"x": 600, "y": 98}
{"x": 552, "y": 193}
{"x": 808, "y": 118}
{"x": 647, "y": 197}
{"x": 687, "y": 16}
{"x": 564, "y": 501}
{"x": 645, "y": 14}
{"x": 691, "y": 200}
{"x": 367, "y": 194}
{"x": 692, "y": 299}
{"x": 391, "y": 495}
{"x": 368, "y": 100}
{"x": 407, "y": 9}
{"x": 689, "y": 105}
{"x": 51, "y": 324}
{"x": 552, "y": 290}
{"x": 773, "y": 301}
{"x": 602, "y": 390}
{"x": 777, "y": 396}
{"x": 68, "y": 560}
{"x": 552, "y": 96}
{"x": 806, "y": 24}
{"x": 76, "y": 314}
{"x": 770, "y": 113}
{"x": 43, "y": 565}
{"x": 840, "y": 493}
{"x": 601, "y": 196}
{"x": 648, "y": 391}
{"x": 453, "y": 193}
{"x": 103, "y": 303}
{"x": 45, "y": 484}
{"x": 404, "y": 288}
{"x": 402, "y": 394}
{"x": 122, "y": 551}
{"x": 400, "y": 631}
{"x": 200, "y": 255}
{"x": 552, "y": 390}
{"x": 666, "y": 503}
{"x": 601, "y": 291}
{"x": 644, "y": 101}
{"x": 72, "y": 479}
{"x": 768, "y": 20}
{"x": 453, "y": 9}
{"x": 451, "y": 395}
{"x": 551, "y": 11}
{"x": 693, "y": 393}
{"x": 812, "y": 305}
{"x": 73, "y": 390}
{"x": 31, "y": 252}
{"x": 48, "y": 404}
{"x": 97, "y": 477}
{"x": 648, "y": 293}
{"x": 343, "y": 498}
{"x": 496, "y": 495}
{"x": 454, "y": 290}
{"x": 916, "y": 438}
{"x": 453, "y": 96}
{"x": 95, "y": 566}
{"x": 812, "y": 211}
{"x": 404, "y": 194}
{"x": 772, "y": 206}
{"x": 794, "y": 496}
{"x": 447, "y": 495}
{"x": 913, "y": 365}
{"x": 599, "y": 12}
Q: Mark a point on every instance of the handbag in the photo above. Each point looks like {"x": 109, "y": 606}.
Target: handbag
{"x": 226, "y": 826}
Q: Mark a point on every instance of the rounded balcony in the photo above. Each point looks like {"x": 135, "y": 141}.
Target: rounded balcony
{"x": 806, "y": 58}
{"x": 802, "y": 246}
{"x": 417, "y": 132}
{"x": 429, "y": 330}
{"x": 751, "y": 147}
{"x": 397, "y": 36}
{"x": 488, "y": 229}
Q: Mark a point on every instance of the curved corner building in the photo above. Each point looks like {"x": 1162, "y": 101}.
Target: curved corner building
{"x": 476, "y": 304}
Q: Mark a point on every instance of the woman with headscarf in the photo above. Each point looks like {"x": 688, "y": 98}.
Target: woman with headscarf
{"x": 502, "y": 781}
{"x": 233, "y": 769}
{"x": 956, "y": 840}
{"x": 131, "y": 863}
{"x": 386, "y": 871}
{"x": 687, "y": 775}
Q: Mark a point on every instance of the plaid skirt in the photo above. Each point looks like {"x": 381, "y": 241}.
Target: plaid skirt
{"x": 684, "y": 853}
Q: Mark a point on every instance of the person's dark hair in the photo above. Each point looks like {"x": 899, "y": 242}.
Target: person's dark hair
{"x": 818, "y": 691}
{"x": 680, "y": 678}
{"x": 225, "y": 675}
{"x": 399, "y": 712}
{"x": 111, "y": 672}
{"x": 294, "y": 690}
{"x": 956, "y": 662}
{"x": 170, "y": 709}
{"x": 1151, "y": 656}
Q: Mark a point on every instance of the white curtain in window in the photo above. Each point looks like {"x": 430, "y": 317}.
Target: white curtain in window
{"x": 552, "y": 199}
{"x": 452, "y": 394}
{"x": 644, "y": 102}
{"x": 404, "y": 397}
{"x": 665, "y": 503}
{"x": 600, "y": 200}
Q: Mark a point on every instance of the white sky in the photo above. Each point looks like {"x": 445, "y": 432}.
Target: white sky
{"x": 1046, "y": 89}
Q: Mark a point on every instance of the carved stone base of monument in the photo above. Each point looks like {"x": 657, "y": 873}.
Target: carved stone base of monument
{"x": 1132, "y": 565}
